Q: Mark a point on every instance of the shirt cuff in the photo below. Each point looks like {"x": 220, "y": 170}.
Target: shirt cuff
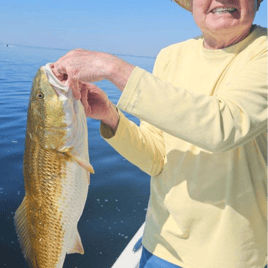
{"x": 107, "y": 133}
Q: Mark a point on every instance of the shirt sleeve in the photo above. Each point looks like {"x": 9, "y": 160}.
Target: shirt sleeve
{"x": 141, "y": 145}
{"x": 215, "y": 123}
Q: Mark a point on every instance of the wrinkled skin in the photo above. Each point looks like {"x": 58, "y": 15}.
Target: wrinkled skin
{"x": 226, "y": 29}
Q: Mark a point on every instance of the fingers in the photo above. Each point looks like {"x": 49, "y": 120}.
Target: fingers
{"x": 84, "y": 96}
{"x": 64, "y": 69}
{"x": 60, "y": 76}
{"x": 74, "y": 85}
{"x": 87, "y": 97}
{"x": 64, "y": 74}
{"x": 58, "y": 72}
{"x": 78, "y": 66}
{"x": 94, "y": 100}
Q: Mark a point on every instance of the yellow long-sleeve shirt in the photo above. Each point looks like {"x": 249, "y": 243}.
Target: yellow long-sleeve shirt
{"x": 203, "y": 140}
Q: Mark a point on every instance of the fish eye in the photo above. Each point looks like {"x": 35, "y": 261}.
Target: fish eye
{"x": 40, "y": 95}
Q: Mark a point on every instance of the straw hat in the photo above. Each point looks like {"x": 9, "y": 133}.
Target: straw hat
{"x": 186, "y": 3}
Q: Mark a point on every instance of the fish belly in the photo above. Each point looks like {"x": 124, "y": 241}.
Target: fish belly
{"x": 56, "y": 190}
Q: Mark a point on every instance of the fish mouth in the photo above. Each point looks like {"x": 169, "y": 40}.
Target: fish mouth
{"x": 72, "y": 110}
{"x": 53, "y": 80}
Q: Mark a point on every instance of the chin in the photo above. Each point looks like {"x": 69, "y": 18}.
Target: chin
{"x": 223, "y": 25}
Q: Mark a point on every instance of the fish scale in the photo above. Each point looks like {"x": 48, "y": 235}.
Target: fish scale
{"x": 47, "y": 164}
{"x": 56, "y": 174}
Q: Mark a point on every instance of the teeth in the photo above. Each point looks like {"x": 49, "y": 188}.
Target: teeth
{"x": 221, "y": 10}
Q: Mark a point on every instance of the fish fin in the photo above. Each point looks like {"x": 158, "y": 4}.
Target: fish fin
{"x": 22, "y": 230}
{"x": 37, "y": 266}
{"x": 82, "y": 162}
{"x": 88, "y": 177}
{"x": 77, "y": 246}
{"x": 31, "y": 265}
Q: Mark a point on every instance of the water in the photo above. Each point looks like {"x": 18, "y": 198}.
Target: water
{"x": 118, "y": 194}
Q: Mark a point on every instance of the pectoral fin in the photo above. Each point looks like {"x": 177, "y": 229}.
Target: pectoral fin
{"x": 76, "y": 246}
{"x": 82, "y": 162}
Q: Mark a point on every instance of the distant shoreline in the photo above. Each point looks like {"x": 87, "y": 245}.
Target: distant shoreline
{"x": 65, "y": 49}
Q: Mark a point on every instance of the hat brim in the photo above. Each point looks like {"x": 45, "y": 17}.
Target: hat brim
{"x": 184, "y": 3}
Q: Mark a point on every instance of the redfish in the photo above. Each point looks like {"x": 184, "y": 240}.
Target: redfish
{"x": 56, "y": 173}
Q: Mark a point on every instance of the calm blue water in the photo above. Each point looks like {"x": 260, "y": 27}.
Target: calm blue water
{"x": 118, "y": 194}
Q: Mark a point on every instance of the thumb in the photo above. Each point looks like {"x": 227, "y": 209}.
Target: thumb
{"x": 84, "y": 96}
{"x": 74, "y": 85}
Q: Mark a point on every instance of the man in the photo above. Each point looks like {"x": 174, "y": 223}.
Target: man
{"x": 202, "y": 136}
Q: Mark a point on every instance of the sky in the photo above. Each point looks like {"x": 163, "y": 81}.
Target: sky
{"x": 140, "y": 27}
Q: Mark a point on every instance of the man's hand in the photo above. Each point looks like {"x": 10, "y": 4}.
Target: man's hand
{"x": 94, "y": 100}
{"x": 98, "y": 106}
{"x": 89, "y": 66}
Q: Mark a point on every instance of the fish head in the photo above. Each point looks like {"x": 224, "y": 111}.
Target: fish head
{"x": 50, "y": 113}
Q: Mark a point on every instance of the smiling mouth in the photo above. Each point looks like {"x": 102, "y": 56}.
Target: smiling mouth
{"x": 222, "y": 10}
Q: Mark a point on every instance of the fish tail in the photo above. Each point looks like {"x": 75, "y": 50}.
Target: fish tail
{"x": 22, "y": 228}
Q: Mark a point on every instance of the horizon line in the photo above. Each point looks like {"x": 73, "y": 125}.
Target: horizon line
{"x": 66, "y": 49}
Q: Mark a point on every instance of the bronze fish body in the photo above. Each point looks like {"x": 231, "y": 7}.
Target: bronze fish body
{"x": 56, "y": 174}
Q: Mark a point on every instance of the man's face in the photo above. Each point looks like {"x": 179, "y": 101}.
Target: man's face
{"x": 215, "y": 17}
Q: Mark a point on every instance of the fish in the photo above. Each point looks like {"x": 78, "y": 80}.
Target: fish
{"x": 56, "y": 170}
